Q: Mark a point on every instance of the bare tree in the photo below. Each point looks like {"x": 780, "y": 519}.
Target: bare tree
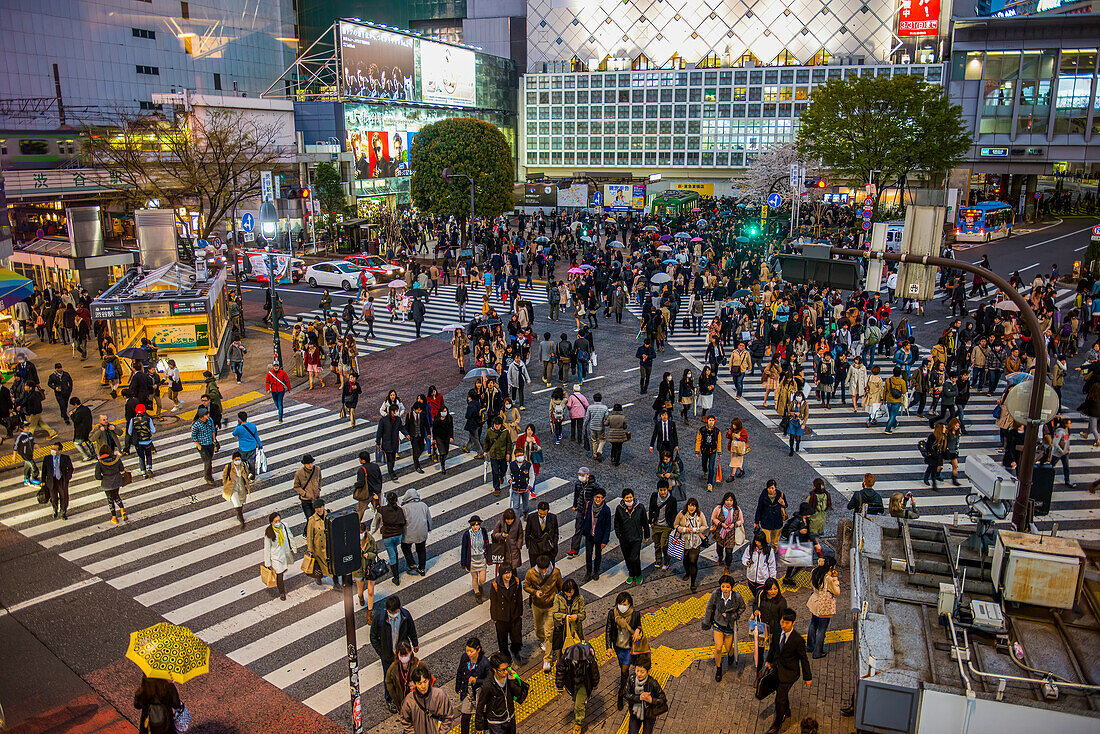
{"x": 770, "y": 171}
{"x": 210, "y": 162}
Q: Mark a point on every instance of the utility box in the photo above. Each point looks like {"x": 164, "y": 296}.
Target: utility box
{"x": 921, "y": 237}
{"x": 1042, "y": 570}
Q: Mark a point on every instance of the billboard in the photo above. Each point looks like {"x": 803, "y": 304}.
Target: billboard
{"x": 624, "y": 197}
{"x": 376, "y": 64}
{"x": 530, "y": 194}
{"x": 576, "y": 196}
{"x": 446, "y": 75}
{"x": 380, "y": 154}
{"x": 918, "y": 18}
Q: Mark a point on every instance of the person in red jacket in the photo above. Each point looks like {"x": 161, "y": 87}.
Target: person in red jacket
{"x": 277, "y": 383}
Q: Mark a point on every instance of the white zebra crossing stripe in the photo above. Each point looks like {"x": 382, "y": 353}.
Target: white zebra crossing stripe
{"x": 840, "y": 447}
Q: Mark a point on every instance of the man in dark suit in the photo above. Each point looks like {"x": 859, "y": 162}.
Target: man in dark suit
{"x": 786, "y": 659}
{"x": 664, "y": 436}
{"x": 368, "y": 482}
{"x": 57, "y": 470}
{"x": 541, "y": 533}
{"x": 388, "y": 438}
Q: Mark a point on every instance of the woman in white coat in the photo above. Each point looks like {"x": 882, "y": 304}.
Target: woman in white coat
{"x": 759, "y": 562}
{"x": 856, "y": 382}
{"x": 278, "y": 549}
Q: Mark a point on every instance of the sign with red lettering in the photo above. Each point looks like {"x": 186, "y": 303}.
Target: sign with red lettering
{"x": 918, "y": 18}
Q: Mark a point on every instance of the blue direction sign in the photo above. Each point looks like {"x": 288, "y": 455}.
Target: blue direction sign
{"x": 774, "y": 200}
{"x": 202, "y": 244}
{"x": 247, "y": 222}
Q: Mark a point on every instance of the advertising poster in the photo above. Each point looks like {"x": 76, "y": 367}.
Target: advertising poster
{"x": 446, "y": 74}
{"x": 703, "y": 189}
{"x": 376, "y": 64}
{"x": 624, "y": 197}
{"x": 576, "y": 196}
{"x": 380, "y": 154}
{"x": 918, "y": 18}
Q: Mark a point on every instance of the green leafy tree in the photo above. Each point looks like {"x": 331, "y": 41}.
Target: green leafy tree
{"x": 881, "y": 130}
{"x": 328, "y": 187}
{"x": 474, "y": 148}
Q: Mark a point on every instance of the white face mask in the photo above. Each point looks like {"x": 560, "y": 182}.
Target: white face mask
{"x": 580, "y": 479}
{"x": 628, "y": 503}
{"x": 236, "y": 462}
{"x": 622, "y": 608}
{"x": 405, "y": 659}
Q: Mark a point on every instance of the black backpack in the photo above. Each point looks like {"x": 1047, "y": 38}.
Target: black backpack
{"x": 142, "y": 430}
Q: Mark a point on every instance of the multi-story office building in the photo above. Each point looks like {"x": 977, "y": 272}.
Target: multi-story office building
{"x": 76, "y": 61}
{"x": 699, "y": 87}
{"x": 1028, "y": 89}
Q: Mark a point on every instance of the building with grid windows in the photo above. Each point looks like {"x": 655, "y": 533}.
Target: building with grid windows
{"x": 705, "y": 123}
{"x": 700, "y": 87}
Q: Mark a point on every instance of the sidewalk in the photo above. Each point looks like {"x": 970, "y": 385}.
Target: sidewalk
{"x": 64, "y": 667}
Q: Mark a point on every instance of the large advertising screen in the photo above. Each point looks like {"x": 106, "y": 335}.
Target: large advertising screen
{"x": 918, "y": 18}
{"x": 376, "y": 64}
{"x": 576, "y": 195}
{"x": 447, "y": 74}
{"x": 380, "y": 153}
{"x": 529, "y": 194}
{"x": 624, "y": 197}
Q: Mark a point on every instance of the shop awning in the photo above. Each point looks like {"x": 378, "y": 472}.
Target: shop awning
{"x": 13, "y": 288}
{"x": 57, "y": 252}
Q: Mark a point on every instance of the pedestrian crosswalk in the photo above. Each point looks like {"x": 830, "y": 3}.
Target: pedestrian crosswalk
{"x": 841, "y": 448}
{"x": 181, "y": 551}
{"x": 441, "y": 311}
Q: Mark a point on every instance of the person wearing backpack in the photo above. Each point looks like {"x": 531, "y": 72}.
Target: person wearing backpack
{"x": 159, "y": 703}
{"x": 140, "y": 431}
{"x": 895, "y": 390}
{"x": 578, "y": 674}
{"x": 871, "y": 336}
{"x": 112, "y": 371}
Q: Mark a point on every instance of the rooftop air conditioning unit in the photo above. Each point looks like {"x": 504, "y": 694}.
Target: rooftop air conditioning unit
{"x": 1042, "y": 570}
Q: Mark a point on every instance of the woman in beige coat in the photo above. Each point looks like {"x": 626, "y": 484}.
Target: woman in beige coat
{"x": 872, "y": 396}
{"x": 236, "y": 485}
{"x": 856, "y": 382}
{"x": 459, "y": 344}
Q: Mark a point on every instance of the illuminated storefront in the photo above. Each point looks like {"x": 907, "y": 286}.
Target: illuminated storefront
{"x": 374, "y": 88}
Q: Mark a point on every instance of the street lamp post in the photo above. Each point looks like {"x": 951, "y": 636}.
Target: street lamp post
{"x": 448, "y": 177}
{"x": 269, "y": 225}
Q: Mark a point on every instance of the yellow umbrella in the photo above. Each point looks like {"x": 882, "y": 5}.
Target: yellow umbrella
{"x": 169, "y": 651}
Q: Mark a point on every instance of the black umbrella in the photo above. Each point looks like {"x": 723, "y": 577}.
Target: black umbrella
{"x": 134, "y": 353}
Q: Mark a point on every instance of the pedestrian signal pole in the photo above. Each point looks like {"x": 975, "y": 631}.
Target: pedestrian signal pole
{"x": 353, "y": 659}
{"x": 1021, "y": 510}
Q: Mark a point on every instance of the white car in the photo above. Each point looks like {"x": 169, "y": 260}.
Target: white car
{"x": 336, "y": 274}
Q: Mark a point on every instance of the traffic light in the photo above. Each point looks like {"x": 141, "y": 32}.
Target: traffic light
{"x": 298, "y": 192}
{"x": 821, "y": 183}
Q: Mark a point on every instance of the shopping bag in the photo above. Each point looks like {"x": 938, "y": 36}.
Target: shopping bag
{"x": 718, "y": 471}
{"x": 794, "y": 553}
{"x": 496, "y": 553}
{"x": 308, "y": 563}
{"x": 261, "y": 462}
{"x": 595, "y": 361}
{"x": 182, "y": 719}
{"x": 267, "y": 575}
{"x": 675, "y": 547}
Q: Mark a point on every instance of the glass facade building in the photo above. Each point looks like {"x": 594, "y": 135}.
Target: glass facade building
{"x": 92, "y": 60}
{"x": 1028, "y": 89}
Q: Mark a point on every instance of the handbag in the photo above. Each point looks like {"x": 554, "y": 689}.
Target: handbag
{"x": 739, "y": 536}
{"x": 378, "y": 569}
{"x": 267, "y": 575}
{"x": 536, "y": 456}
{"x": 43, "y": 496}
{"x": 784, "y": 424}
{"x": 675, "y": 547}
{"x": 127, "y": 478}
{"x": 182, "y": 718}
{"x": 740, "y": 448}
{"x": 996, "y": 411}
{"x": 308, "y": 564}
{"x": 497, "y": 553}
